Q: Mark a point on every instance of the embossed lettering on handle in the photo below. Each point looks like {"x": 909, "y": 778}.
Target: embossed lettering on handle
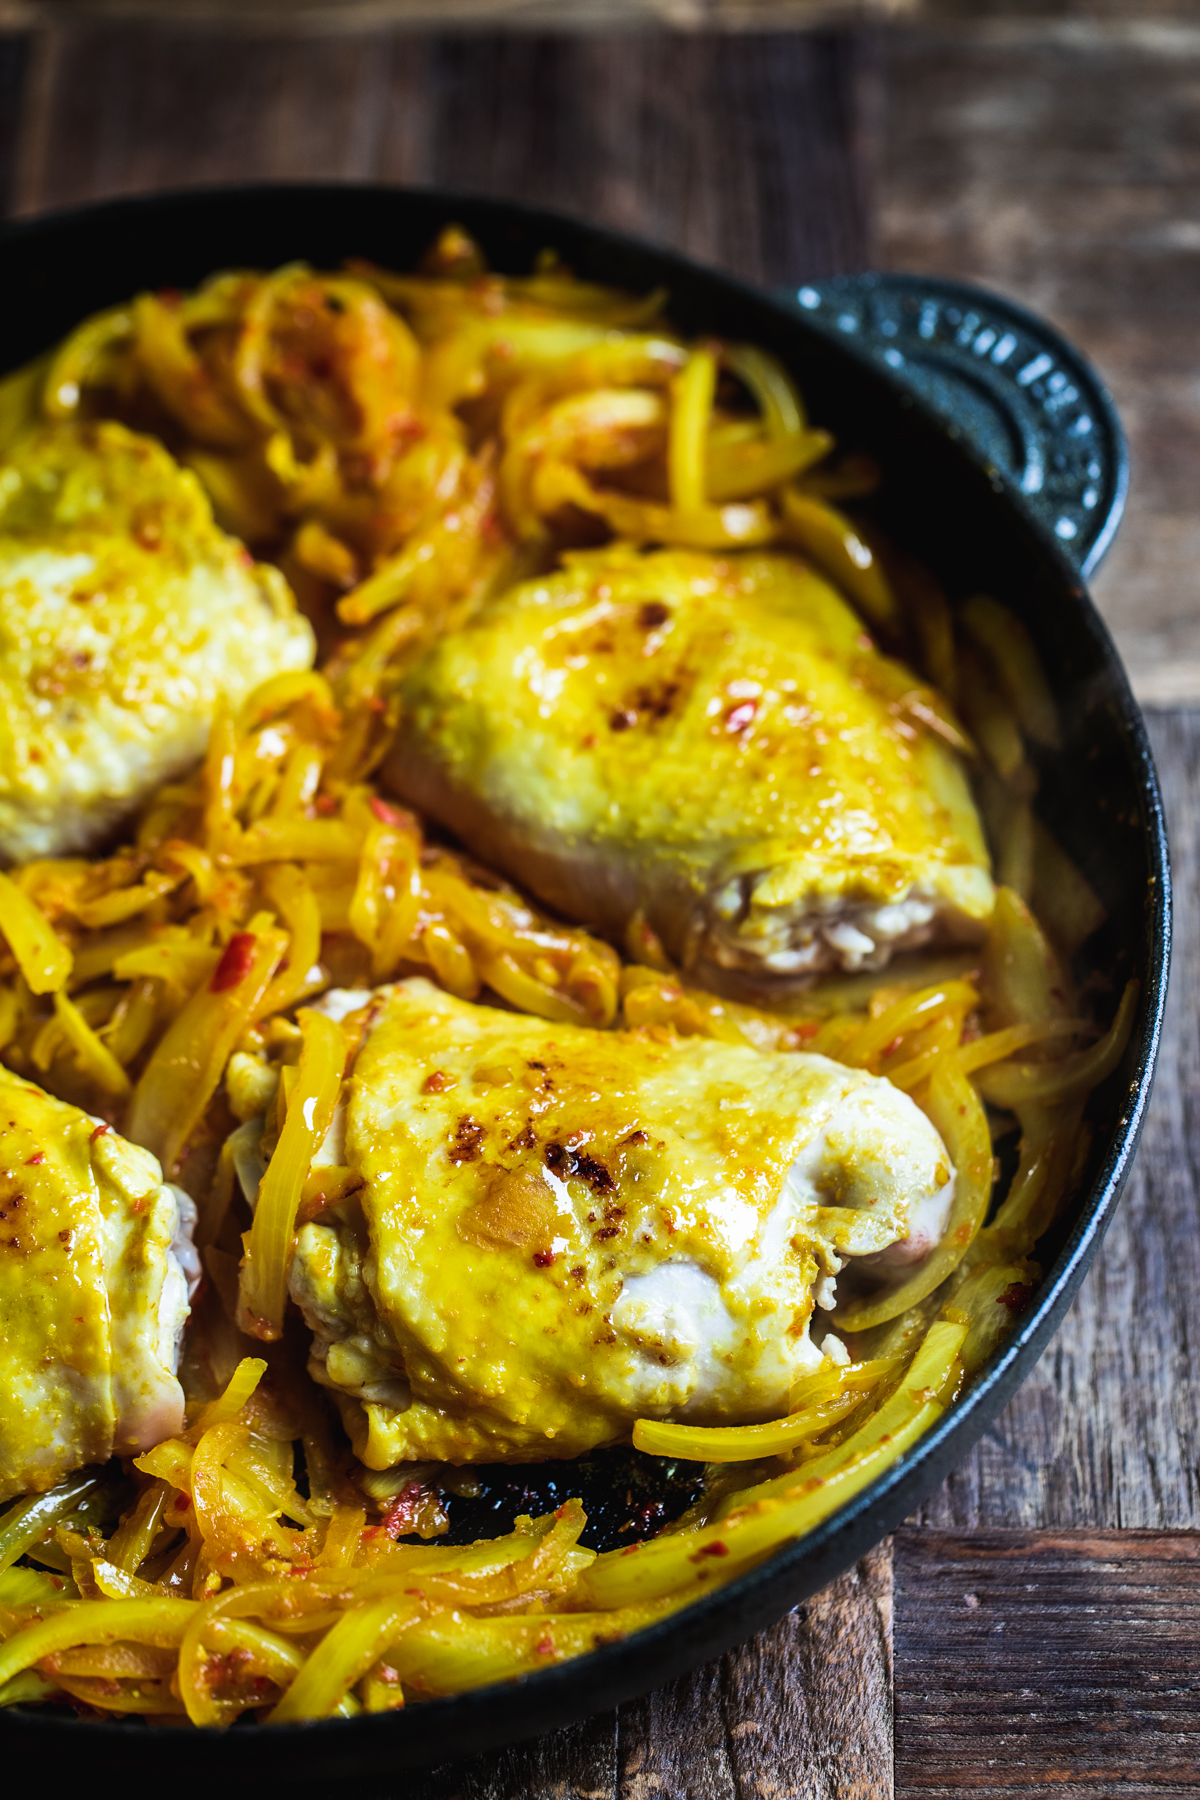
{"x": 1024, "y": 398}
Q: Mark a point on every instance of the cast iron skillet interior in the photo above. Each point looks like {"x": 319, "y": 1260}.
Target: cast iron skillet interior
{"x": 1099, "y": 797}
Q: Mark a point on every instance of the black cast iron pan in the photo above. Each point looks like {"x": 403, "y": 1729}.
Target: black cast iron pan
{"x": 1004, "y": 469}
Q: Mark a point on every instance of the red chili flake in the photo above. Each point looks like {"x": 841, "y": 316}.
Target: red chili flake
{"x": 717, "y": 1549}
{"x": 438, "y": 1082}
{"x": 99, "y": 1132}
{"x": 543, "y": 1258}
{"x": 1016, "y": 1297}
{"x": 387, "y": 814}
{"x": 325, "y": 803}
{"x": 401, "y": 1517}
{"x": 544, "y": 1645}
{"x": 30, "y": 1160}
{"x": 234, "y": 965}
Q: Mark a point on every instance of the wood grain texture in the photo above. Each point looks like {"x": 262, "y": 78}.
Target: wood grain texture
{"x": 1061, "y": 164}
{"x": 14, "y": 61}
{"x": 625, "y": 128}
{"x": 301, "y": 16}
{"x": 1085, "y": 13}
{"x": 1036, "y": 1662}
{"x": 801, "y": 1712}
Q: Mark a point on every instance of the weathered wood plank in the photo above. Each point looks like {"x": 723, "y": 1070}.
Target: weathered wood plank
{"x": 1029, "y": 1662}
{"x": 1106, "y": 1431}
{"x": 14, "y": 60}
{"x": 127, "y": 109}
{"x": 801, "y": 1710}
{"x": 1083, "y": 13}
{"x": 298, "y": 16}
{"x": 1061, "y": 163}
{"x": 739, "y": 150}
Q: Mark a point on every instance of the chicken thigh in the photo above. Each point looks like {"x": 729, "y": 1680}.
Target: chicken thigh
{"x": 96, "y": 1272}
{"x": 124, "y": 613}
{"x": 541, "y": 1233}
{"x": 713, "y": 744}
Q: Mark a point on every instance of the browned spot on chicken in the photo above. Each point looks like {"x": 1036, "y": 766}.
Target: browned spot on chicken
{"x": 467, "y": 1140}
{"x": 658, "y": 702}
{"x": 517, "y": 1209}
{"x": 567, "y": 1162}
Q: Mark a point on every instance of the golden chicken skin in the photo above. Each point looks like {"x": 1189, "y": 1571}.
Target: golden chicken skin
{"x": 124, "y": 613}
{"x": 540, "y": 1233}
{"x": 713, "y": 744}
{"x": 96, "y": 1270}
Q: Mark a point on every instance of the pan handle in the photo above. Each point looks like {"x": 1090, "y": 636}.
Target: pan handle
{"x": 1023, "y": 397}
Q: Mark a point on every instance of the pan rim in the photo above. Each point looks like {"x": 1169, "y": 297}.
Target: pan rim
{"x": 726, "y": 1615}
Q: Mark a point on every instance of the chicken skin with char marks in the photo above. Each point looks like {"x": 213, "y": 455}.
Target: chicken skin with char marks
{"x": 549, "y": 1232}
{"x": 712, "y": 744}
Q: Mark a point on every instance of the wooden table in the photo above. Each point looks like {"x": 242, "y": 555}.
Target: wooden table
{"x": 1037, "y": 1626}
